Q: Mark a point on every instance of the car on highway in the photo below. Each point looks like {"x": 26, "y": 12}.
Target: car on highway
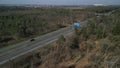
{"x": 32, "y": 40}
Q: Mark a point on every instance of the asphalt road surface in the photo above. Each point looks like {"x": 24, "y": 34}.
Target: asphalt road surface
{"x": 20, "y": 49}
{"x": 12, "y": 52}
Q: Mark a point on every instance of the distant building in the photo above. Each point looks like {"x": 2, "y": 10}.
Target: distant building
{"x": 98, "y": 5}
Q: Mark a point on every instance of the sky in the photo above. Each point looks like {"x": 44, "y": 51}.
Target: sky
{"x": 62, "y": 2}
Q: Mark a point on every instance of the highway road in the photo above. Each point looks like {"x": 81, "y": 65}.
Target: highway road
{"x": 108, "y": 13}
{"x": 12, "y": 52}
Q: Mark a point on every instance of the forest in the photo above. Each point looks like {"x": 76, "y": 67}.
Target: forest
{"x": 21, "y": 23}
{"x": 97, "y": 45}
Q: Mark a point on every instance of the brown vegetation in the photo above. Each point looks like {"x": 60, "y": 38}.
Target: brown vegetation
{"x": 89, "y": 47}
